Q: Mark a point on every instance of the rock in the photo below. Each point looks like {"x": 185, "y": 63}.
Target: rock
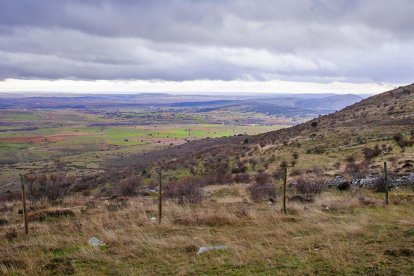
{"x": 364, "y": 182}
{"x": 205, "y": 249}
{"x": 407, "y": 180}
{"x": 96, "y": 242}
{"x": 340, "y": 183}
{"x": 153, "y": 219}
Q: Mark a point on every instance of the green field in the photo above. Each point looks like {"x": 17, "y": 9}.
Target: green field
{"x": 86, "y": 140}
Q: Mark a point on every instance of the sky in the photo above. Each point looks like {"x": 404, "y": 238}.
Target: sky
{"x": 183, "y": 46}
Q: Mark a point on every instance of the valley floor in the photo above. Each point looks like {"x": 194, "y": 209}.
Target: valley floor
{"x": 341, "y": 233}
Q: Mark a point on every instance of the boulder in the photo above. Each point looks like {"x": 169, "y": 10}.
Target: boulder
{"x": 205, "y": 249}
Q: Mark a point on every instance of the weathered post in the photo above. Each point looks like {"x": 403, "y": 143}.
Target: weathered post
{"x": 160, "y": 198}
{"x": 26, "y": 227}
{"x": 386, "y": 182}
{"x": 284, "y": 189}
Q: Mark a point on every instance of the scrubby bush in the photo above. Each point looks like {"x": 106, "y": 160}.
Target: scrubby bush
{"x": 398, "y": 137}
{"x": 187, "y": 190}
{"x": 241, "y": 178}
{"x": 263, "y": 188}
{"x": 370, "y": 153}
{"x": 309, "y": 186}
{"x": 57, "y": 186}
{"x": 379, "y": 183}
{"x": 53, "y": 186}
{"x": 241, "y": 169}
{"x": 402, "y": 143}
{"x": 263, "y": 178}
{"x": 129, "y": 186}
{"x": 357, "y": 170}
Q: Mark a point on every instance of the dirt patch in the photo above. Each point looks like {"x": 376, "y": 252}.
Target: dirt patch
{"x": 62, "y": 136}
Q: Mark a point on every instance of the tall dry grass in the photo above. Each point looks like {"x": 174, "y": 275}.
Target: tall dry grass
{"x": 337, "y": 233}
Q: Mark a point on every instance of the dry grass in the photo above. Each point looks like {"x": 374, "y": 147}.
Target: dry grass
{"x": 336, "y": 234}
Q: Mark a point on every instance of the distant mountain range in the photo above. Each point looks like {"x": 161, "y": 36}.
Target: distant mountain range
{"x": 293, "y": 105}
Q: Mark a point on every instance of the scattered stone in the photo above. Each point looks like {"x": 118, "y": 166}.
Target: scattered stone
{"x": 405, "y": 180}
{"x": 96, "y": 242}
{"x": 205, "y": 249}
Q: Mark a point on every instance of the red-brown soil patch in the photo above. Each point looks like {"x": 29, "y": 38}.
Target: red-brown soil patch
{"x": 43, "y": 138}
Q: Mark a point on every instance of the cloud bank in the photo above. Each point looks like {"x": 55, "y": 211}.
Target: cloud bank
{"x": 308, "y": 41}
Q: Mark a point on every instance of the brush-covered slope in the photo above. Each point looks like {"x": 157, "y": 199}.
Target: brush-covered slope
{"x": 380, "y": 115}
{"x": 332, "y": 144}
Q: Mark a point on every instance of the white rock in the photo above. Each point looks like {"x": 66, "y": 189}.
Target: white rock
{"x": 96, "y": 242}
{"x": 205, "y": 249}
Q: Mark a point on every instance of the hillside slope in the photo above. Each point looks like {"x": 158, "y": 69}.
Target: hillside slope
{"x": 324, "y": 142}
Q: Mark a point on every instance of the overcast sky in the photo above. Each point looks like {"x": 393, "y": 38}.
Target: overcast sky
{"x": 200, "y": 46}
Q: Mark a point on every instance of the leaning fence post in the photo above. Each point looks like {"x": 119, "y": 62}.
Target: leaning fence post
{"x": 26, "y": 227}
{"x": 284, "y": 189}
{"x": 160, "y": 198}
{"x": 386, "y": 182}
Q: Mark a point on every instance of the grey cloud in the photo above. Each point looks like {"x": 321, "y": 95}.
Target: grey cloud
{"x": 219, "y": 39}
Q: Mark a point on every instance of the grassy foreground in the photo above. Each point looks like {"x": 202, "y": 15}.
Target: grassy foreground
{"x": 341, "y": 233}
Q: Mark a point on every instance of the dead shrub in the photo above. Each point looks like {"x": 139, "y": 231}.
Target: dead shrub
{"x": 370, "y": 153}
{"x": 129, "y": 186}
{"x": 187, "y": 190}
{"x": 379, "y": 183}
{"x": 309, "y": 186}
{"x": 241, "y": 178}
{"x": 42, "y": 215}
{"x": 263, "y": 189}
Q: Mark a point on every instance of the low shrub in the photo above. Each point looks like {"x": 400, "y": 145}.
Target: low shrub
{"x": 129, "y": 186}
{"x": 42, "y": 215}
{"x": 187, "y": 190}
{"x": 309, "y": 186}
{"x": 370, "y": 153}
{"x": 241, "y": 178}
{"x": 263, "y": 188}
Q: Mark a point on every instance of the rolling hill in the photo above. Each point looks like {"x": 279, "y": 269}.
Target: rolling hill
{"x": 324, "y": 143}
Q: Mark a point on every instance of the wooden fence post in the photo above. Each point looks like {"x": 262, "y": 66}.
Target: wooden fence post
{"x": 386, "y": 183}
{"x": 284, "y": 189}
{"x": 160, "y": 198}
{"x": 26, "y": 226}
